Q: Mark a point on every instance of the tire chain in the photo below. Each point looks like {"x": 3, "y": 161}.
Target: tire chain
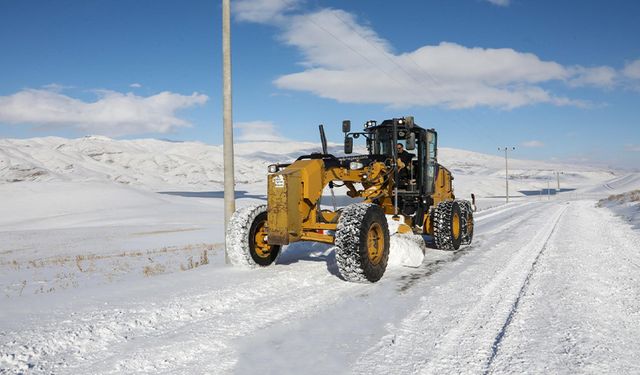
{"x": 442, "y": 225}
{"x": 465, "y": 210}
{"x": 347, "y": 242}
{"x": 237, "y": 236}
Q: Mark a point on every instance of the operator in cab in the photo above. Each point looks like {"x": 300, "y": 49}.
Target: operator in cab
{"x": 404, "y": 165}
{"x": 404, "y": 157}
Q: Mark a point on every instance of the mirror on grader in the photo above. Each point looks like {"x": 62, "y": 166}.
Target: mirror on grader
{"x": 346, "y": 126}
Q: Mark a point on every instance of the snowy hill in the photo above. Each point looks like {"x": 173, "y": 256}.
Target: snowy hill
{"x": 162, "y": 165}
{"x": 147, "y": 163}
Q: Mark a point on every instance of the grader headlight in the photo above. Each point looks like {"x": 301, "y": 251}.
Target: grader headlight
{"x": 355, "y": 165}
{"x": 273, "y": 168}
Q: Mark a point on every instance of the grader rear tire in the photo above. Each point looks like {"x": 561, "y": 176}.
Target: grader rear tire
{"x": 362, "y": 243}
{"x": 467, "y": 221}
{"x": 447, "y": 226}
{"x": 246, "y": 238}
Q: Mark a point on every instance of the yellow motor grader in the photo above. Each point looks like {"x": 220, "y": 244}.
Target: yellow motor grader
{"x": 411, "y": 188}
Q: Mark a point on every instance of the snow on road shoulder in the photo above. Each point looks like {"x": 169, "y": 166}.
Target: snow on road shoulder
{"x": 168, "y": 324}
{"x": 626, "y": 205}
{"x": 59, "y": 235}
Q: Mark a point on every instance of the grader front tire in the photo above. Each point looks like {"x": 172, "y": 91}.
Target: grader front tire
{"x": 362, "y": 243}
{"x": 246, "y": 238}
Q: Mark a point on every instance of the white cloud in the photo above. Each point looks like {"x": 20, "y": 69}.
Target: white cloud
{"x": 333, "y": 38}
{"x": 347, "y": 61}
{"x": 632, "y": 70}
{"x": 112, "y": 114}
{"x": 253, "y": 131}
{"x": 262, "y": 11}
{"x": 602, "y": 76}
{"x": 502, "y": 3}
{"x": 533, "y": 144}
{"x": 135, "y": 85}
{"x": 350, "y": 63}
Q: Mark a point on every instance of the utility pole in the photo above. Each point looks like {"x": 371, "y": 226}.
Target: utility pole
{"x": 506, "y": 168}
{"x": 229, "y": 182}
{"x": 558, "y": 178}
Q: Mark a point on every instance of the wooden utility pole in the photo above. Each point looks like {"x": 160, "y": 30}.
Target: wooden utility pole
{"x": 227, "y": 120}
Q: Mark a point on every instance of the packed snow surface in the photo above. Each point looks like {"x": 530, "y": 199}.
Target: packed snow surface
{"x": 112, "y": 261}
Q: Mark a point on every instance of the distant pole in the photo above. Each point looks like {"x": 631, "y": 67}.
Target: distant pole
{"x": 548, "y": 190}
{"x": 558, "y": 178}
{"x": 229, "y": 188}
{"x": 506, "y": 168}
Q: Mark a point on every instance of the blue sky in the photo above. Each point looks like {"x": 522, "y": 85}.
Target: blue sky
{"x": 558, "y": 80}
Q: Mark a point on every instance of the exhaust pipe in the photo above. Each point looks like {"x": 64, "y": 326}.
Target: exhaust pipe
{"x": 323, "y": 139}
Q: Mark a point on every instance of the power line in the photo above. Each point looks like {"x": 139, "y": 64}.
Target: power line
{"x": 360, "y": 54}
{"x": 384, "y": 53}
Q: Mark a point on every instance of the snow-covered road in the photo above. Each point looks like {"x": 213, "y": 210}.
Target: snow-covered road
{"x": 552, "y": 290}
{"x": 546, "y": 287}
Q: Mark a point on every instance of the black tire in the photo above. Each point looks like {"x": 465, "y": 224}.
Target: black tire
{"x": 447, "y": 226}
{"x": 466, "y": 211}
{"x": 245, "y": 238}
{"x": 362, "y": 243}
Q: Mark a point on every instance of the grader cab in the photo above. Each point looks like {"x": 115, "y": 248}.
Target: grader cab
{"x": 386, "y": 183}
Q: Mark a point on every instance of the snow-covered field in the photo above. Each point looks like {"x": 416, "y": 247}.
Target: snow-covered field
{"x": 112, "y": 261}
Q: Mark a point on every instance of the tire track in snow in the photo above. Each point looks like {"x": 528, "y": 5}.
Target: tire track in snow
{"x": 427, "y": 269}
{"x": 514, "y": 308}
{"x": 492, "y": 310}
{"x": 194, "y": 344}
{"x": 581, "y": 310}
{"x": 483, "y": 215}
{"x": 466, "y": 304}
{"x": 130, "y": 337}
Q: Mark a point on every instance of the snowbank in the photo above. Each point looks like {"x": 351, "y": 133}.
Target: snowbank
{"x": 626, "y": 205}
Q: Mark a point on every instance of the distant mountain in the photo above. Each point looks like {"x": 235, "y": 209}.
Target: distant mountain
{"x": 154, "y": 164}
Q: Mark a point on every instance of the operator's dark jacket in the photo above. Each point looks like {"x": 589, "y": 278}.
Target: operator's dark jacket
{"x": 406, "y": 157}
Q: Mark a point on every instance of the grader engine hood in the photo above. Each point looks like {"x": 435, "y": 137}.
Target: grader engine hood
{"x": 292, "y": 194}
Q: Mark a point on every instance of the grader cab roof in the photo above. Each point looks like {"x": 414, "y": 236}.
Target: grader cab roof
{"x": 389, "y": 124}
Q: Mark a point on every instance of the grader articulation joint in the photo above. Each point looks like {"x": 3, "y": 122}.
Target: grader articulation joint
{"x": 386, "y": 181}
